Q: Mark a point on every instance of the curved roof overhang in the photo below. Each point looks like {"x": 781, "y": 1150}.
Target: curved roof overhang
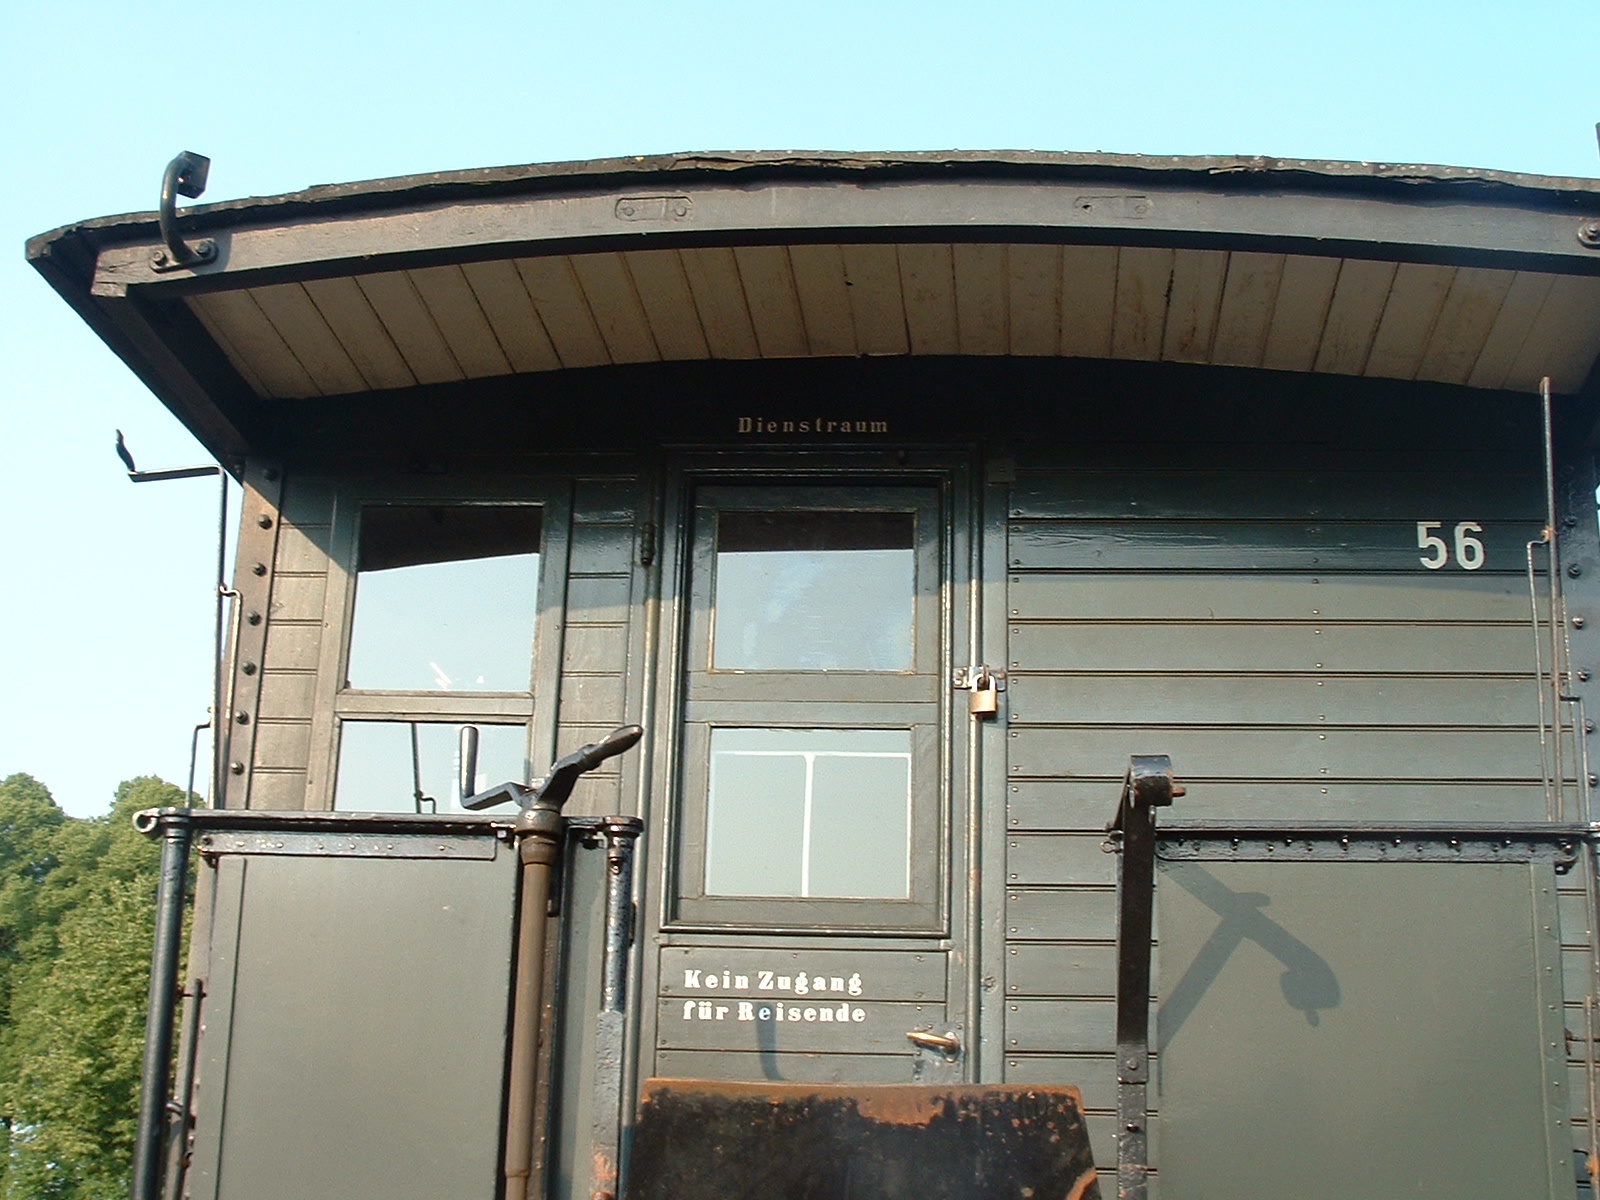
{"x": 1473, "y": 278}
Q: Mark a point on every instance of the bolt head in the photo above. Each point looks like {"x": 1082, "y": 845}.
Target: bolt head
{"x": 1589, "y": 234}
{"x": 236, "y": 767}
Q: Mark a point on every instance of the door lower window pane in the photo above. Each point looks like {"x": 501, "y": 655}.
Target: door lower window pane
{"x": 809, "y": 812}
{"x": 375, "y": 764}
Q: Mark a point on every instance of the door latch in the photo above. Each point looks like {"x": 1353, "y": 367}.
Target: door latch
{"x": 947, "y": 1044}
{"x": 983, "y": 685}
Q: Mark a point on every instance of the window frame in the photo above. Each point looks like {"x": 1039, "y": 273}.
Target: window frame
{"x": 709, "y": 698}
{"x": 533, "y": 709}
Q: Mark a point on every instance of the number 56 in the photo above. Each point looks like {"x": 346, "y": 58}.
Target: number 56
{"x": 1469, "y": 550}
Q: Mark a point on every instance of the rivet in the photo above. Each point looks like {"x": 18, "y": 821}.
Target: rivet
{"x": 1579, "y": 622}
{"x": 1574, "y": 570}
{"x": 248, "y": 668}
{"x": 259, "y": 569}
{"x": 243, "y": 718}
{"x": 270, "y": 474}
{"x": 264, "y": 521}
{"x": 254, "y": 618}
{"x": 1583, "y": 677}
{"x": 236, "y": 767}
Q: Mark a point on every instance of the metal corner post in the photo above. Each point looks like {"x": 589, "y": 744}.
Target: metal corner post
{"x": 175, "y": 830}
{"x": 620, "y": 835}
{"x": 1149, "y": 785}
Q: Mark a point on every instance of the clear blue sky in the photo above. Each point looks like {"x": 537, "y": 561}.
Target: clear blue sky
{"x": 104, "y": 588}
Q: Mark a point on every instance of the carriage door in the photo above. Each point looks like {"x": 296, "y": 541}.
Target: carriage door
{"x": 810, "y": 933}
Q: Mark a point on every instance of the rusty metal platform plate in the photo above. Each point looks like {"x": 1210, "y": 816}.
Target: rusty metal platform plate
{"x": 710, "y": 1140}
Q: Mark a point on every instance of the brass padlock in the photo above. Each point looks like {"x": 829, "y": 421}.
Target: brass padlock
{"x": 984, "y": 698}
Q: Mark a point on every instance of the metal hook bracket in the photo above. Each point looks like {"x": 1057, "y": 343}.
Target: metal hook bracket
{"x": 184, "y": 176}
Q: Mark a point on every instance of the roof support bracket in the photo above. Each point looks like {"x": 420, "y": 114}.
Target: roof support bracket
{"x": 184, "y": 176}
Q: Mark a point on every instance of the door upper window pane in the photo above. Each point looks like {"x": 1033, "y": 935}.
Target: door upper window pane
{"x": 809, "y": 812}
{"x": 814, "y": 591}
{"x": 445, "y": 598}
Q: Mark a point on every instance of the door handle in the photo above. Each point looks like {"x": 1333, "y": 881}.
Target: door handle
{"x": 945, "y": 1043}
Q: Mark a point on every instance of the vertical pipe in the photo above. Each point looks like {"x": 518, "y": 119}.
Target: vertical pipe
{"x": 620, "y": 834}
{"x": 178, "y": 1114}
{"x": 1557, "y": 609}
{"x": 468, "y": 762}
{"x": 537, "y": 850}
{"x": 1135, "y": 894}
{"x": 219, "y": 719}
{"x": 158, "y": 1013}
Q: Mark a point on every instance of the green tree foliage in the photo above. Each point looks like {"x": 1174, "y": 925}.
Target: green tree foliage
{"x": 77, "y": 909}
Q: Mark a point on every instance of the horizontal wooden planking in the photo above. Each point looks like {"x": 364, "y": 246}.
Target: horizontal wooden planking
{"x": 1476, "y": 326}
{"x": 303, "y": 549}
{"x": 1171, "y": 545}
{"x": 1279, "y": 495}
{"x": 278, "y": 790}
{"x": 794, "y": 1068}
{"x": 601, "y": 548}
{"x": 1572, "y": 910}
{"x": 1061, "y": 970}
{"x": 605, "y": 501}
{"x": 595, "y": 649}
{"x": 293, "y": 647}
{"x": 1294, "y": 754}
{"x": 1241, "y": 699}
{"x": 1059, "y": 858}
{"x": 287, "y": 694}
{"x": 1087, "y": 805}
{"x": 283, "y": 744}
{"x": 1094, "y": 1075}
{"x": 1076, "y": 914}
{"x": 297, "y": 597}
{"x": 872, "y": 1027}
{"x": 792, "y": 975}
{"x": 1060, "y": 1026}
{"x": 598, "y": 599}
{"x": 1233, "y": 647}
{"x": 1459, "y": 596}
{"x": 598, "y": 796}
{"x": 593, "y": 699}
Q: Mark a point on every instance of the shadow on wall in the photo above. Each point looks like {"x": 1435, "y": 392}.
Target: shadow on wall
{"x": 1308, "y": 982}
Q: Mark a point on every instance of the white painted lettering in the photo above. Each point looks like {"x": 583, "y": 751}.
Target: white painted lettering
{"x": 810, "y": 1014}
{"x": 824, "y": 1014}
{"x": 691, "y": 979}
{"x": 722, "y": 1011}
{"x": 855, "y": 985}
{"x": 858, "y": 1015}
{"x": 801, "y": 987}
{"x": 844, "y": 1013}
{"x": 703, "y": 1010}
{"x": 836, "y": 984}
{"x": 688, "y": 1010}
{"x": 742, "y": 982}
{"x": 763, "y": 1013}
{"x": 744, "y": 424}
{"x": 785, "y": 983}
{"x": 764, "y": 980}
{"x": 746, "y": 1011}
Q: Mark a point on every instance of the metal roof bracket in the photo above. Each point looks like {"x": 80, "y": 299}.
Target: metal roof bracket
{"x": 184, "y": 176}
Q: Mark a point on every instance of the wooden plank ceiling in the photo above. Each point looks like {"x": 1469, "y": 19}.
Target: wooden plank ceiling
{"x": 1474, "y": 326}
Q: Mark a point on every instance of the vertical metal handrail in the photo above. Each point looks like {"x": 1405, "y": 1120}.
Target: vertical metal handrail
{"x": 620, "y": 835}
{"x": 173, "y": 879}
{"x": 1147, "y": 786}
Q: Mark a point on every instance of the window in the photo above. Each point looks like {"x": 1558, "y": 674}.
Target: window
{"x": 812, "y": 707}
{"x": 441, "y": 636}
